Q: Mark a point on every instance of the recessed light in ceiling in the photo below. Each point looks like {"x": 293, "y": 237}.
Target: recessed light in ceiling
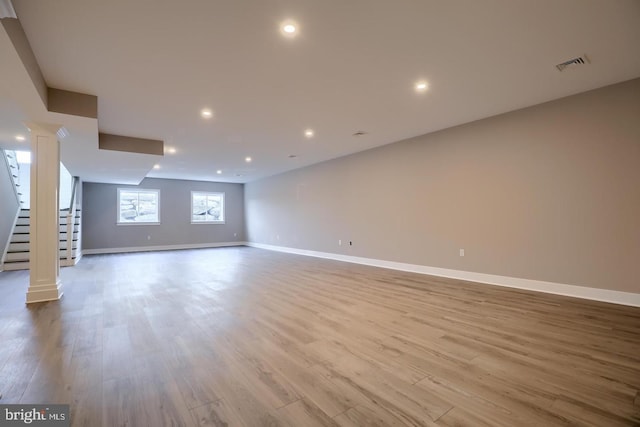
{"x": 206, "y": 113}
{"x": 171, "y": 150}
{"x": 248, "y": 159}
{"x": 20, "y": 138}
{"x": 289, "y": 28}
{"x": 156, "y": 166}
{"x": 421, "y": 86}
{"x": 219, "y": 172}
{"x": 309, "y": 133}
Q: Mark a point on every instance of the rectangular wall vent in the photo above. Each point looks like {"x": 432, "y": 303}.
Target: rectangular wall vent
{"x": 581, "y": 60}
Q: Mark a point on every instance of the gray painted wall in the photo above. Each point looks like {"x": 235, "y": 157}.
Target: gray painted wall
{"x": 99, "y": 216}
{"x": 9, "y": 205}
{"x": 550, "y": 193}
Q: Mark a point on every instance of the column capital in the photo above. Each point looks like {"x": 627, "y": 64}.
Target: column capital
{"x": 40, "y": 127}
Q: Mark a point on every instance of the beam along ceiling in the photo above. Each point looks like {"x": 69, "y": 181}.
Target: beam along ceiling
{"x": 349, "y": 66}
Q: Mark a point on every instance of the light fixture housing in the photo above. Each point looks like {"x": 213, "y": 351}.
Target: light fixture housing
{"x": 309, "y": 133}
{"x": 248, "y": 159}
{"x": 20, "y": 138}
{"x": 156, "y": 166}
{"x": 206, "y": 113}
{"x": 219, "y": 172}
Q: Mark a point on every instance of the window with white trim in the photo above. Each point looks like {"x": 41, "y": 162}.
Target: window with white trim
{"x": 138, "y": 206}
{"x": 207, "y": 208}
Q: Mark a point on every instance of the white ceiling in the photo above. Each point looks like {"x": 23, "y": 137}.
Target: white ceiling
{"x": 353, "y": 65}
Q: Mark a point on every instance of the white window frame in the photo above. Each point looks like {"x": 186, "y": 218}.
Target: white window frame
{"x": 208, "y": 193}
{"x": 141, "y": 190}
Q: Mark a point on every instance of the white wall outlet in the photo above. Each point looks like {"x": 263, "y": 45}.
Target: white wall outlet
{"x": 461, "y": 252}
{"x": 339, "y": 242}
{"x": 235, "y": 234}
{"x": 148, "y": 237}
{"x": 277, "y": 237}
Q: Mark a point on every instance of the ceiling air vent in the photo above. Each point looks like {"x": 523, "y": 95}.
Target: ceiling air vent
{"x": 581, "y": 60}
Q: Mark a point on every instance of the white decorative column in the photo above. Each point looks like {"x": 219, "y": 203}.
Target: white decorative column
{"x": 44, "y": 264}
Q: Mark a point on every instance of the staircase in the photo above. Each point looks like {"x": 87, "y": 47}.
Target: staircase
{"x": 17, "y": 257}
{"x": 18, "y": 246}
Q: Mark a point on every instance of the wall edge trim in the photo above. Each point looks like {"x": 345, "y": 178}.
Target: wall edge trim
{"x": 583, "y": 292}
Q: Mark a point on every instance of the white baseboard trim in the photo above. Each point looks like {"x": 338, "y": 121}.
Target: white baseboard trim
{"x": 159, "y": 248}
{"x": 604, "y": 295}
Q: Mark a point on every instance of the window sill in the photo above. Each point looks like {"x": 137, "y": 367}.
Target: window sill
{"x": 207, "y": 222}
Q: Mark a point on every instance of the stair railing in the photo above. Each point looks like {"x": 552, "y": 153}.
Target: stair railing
{"x": 71, "y": 219}
{"x": 9, "y": 158}
{"x": 14, "y": 171}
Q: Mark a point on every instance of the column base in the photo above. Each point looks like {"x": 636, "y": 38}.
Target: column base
{"x": 44, "y": 292}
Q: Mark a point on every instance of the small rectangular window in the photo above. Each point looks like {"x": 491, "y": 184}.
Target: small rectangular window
{"x": 207, "y": 208}
{"x": 138, "y": 206}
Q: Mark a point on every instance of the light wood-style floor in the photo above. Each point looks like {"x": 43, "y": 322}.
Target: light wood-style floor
{"x": 246, "y": 337}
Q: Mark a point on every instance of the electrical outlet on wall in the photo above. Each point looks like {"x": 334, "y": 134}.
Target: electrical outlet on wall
{"x": 461, "y": 252}
{"x": 339, "y": 242}
{"x": 148, "y": 237}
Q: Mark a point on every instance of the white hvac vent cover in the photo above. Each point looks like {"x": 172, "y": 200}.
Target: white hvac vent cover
{"x": 581, "y": 60}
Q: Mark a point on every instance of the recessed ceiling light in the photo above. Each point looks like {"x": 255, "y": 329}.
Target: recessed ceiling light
{"x": 289, "y": 28}
{"x": 219, "y": 172}
{"x": 422, "y": 86}
{"x": 206, "y": 113}
{"x": 248, "y": 159}
{"x": 20, "y": 138}
{"x": 308, "y": 133}
{"x": 156, "y": 166}
{"x": 171, "y": 150}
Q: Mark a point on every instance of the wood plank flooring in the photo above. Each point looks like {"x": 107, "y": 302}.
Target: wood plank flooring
{"x": 246, "y": 337}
